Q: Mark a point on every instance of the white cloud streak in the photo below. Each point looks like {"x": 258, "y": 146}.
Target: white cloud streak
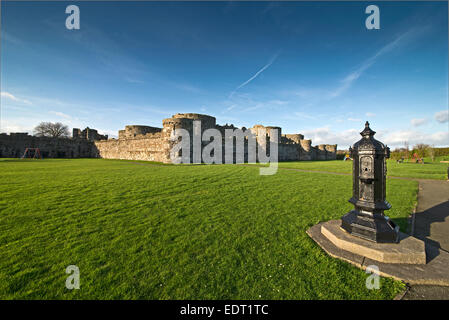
{"x": 12, "y": 97}
{"x": 265, "y": 67}
{"x": 347, "y": 82}
{"x": 61, "y": 115}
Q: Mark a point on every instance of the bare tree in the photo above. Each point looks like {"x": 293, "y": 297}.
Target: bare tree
{"x": 421, "y": 149}
{"x": 431, "y": 152}
{"x": 50, "y": 129}
{"x": 406, "y": 149}
{"x": 421, "y": 146}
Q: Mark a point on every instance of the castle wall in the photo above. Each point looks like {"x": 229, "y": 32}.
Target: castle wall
{"x": 331, "y": 151}
{"x": 156, "y": 146}
{"x": 88, "y": 134}
{"x": 14, "y": 145}
{"x": 292, "y": 138}
{"x": 206, "y": 121}
{"x": 137, "y": 142}
{"x": 134, "y": 130}
{"x": 289, "y": 152}
{"x": 320, "y": 152}
{"x": 306, "y": 151}
{"x": 148, "y": 147}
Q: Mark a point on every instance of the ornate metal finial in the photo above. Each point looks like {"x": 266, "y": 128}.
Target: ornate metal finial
{"x": 367, "y": 132}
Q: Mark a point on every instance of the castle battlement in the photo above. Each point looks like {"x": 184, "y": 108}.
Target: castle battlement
{"x": 137, "y": 142}
{"x": 140, "y": 142}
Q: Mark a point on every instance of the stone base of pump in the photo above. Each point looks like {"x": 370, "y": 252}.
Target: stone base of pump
{"x": 408, "y": 250}
{"x": 409, "y": 260}
{"x": 377, "y": 228}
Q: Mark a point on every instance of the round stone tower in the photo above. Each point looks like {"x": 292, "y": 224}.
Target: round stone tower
{"x": 207, "y": 122}
{"x": 321, "y": 152}
{"x": 331, "y": 151}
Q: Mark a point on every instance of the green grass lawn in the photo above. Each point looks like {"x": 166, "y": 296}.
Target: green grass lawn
{"x": 142, "y": 231}
{"x": 428, "y": 170}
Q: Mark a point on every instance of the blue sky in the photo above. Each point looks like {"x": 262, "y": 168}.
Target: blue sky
{"x": 311, "y": 68}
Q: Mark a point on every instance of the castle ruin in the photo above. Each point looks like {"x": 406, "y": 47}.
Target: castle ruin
{"x": 88, "y": 134}
{"x": 138, "y": 142}
{"x": 154, "y": 144}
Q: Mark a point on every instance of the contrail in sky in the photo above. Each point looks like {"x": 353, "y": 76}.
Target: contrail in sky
{"x": 256, "y": 74}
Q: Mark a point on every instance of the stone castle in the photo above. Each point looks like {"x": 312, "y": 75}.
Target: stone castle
{"x": 138, "y": 142}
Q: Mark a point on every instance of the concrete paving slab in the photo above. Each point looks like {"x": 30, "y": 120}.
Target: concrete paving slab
{"x": 418, "y": 292}
{"x": 432, "y": 213}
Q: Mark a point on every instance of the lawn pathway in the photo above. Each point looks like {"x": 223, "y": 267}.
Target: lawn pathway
{"x": 431, "y": 225}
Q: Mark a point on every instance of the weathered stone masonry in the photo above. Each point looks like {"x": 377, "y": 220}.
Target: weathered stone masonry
{"x": 14, "y": 145}
{"x": 153, "y": 144}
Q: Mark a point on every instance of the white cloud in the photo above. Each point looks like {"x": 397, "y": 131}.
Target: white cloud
{"x": 397, "y": 138}
{"x": 61, "y": 115}
{"x": 355, "y": 119}
{"x": 324, "y": 135}
{"x": 14, "y": 127}
{"x": 418, "y": 122}
{"x": 8, "y": 95}
{"x": 442, "y": 116}
{"x": 109, "y": 132}
{"x": 12, "y": 97}
{"x": 393, "y": 139}
{"x": 370, "y": 114}
{"x": 24, "y": 123}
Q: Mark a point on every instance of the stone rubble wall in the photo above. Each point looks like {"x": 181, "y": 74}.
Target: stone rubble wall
{"x": 157, "y": 146}
{"x": 14, "y": 145}
{"x": 137, "y": 142}
{"x": 134, "y": 131}
{"x": 88, "y": 134}
{"x": 149, "y": 147}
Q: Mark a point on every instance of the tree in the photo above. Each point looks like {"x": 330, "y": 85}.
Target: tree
{"x": 50, "y": 129}
{"x": 420, "y": 149}
{"x": 421, "y": 146}
{"x": 406, "y": 146}
{"x": 431, "y": 152}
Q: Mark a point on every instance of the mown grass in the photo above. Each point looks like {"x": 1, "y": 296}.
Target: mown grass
{"x": 142, "y": 231}
{"x": 428, "y": 170}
